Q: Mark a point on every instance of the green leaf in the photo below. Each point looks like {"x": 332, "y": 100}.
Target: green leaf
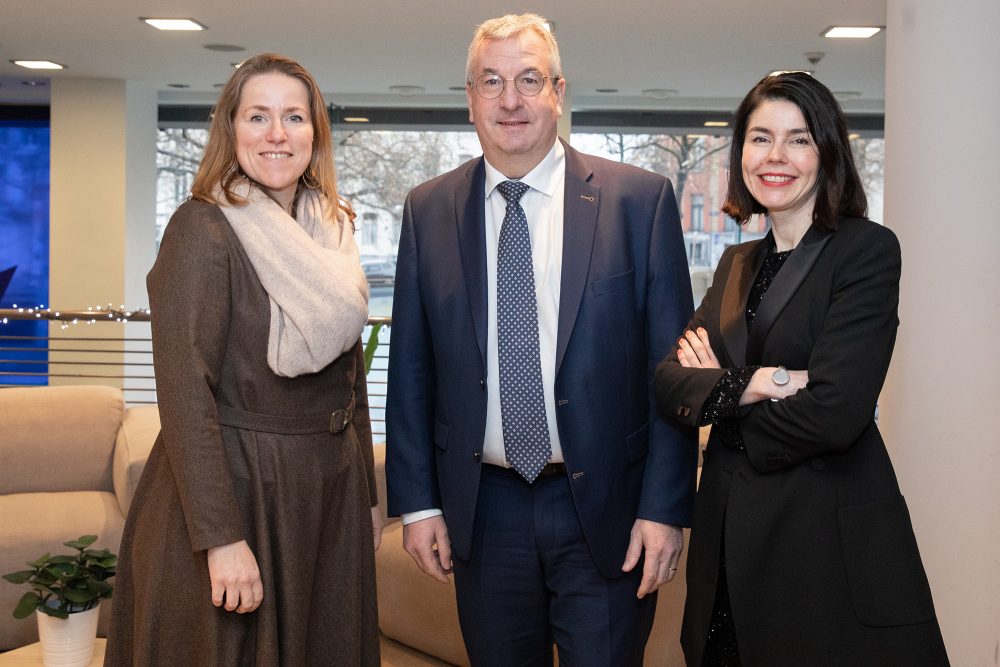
{"x": 78, "y": 595}
{"x": 43, "y": 579}
{"x": 18, "y": 577}
{"x": 62, "y": 560}
{"x": 82, "y": 543}
{"x": 26, "y": 605}
{"x": 371, "y": 346}
{"x": 40, "y": 562}
{"x": 60, "y": 570}
{"x": 101, "y": 587}
{"x": 51, "y": 611}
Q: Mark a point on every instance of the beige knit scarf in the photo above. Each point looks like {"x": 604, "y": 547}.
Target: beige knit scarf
{"x": 311, "y": 270}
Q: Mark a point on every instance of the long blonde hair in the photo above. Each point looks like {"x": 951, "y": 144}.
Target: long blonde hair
{"x": 219, "y": 166}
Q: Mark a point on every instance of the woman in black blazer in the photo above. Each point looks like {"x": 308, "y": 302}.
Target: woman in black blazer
{"x": 802, "y": 552}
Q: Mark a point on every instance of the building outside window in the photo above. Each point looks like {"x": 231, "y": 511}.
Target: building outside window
{"x": 377, "y": 168}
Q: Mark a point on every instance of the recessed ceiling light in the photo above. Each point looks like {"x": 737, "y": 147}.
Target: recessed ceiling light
{"x": 605, "y": 90}
{"x": 716, "y": 123}
{"x": 406, "y": 91}
{"x": 853, "y": 136}
{"x": 355, "y": 119}
{"x": 851, "y": 31}
{"x": 173, "y": 24}
{"x": 237, "y": 65}
{"x": 659, "y": 93}
{"x": 38, "y": 64}
{"x": 789, "y": 71}
{"x": 178, "y": 85}
{"x": 227, "y": 48}
{"x": 550, "y": 26}
{"x": 846, "y": 95}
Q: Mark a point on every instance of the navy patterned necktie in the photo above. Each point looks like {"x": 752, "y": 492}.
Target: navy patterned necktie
{"x": 522, "y": 402}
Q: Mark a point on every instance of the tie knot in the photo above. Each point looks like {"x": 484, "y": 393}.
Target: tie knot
{"x": 512, "y": 191}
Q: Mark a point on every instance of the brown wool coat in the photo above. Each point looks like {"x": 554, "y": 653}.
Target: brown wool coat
{"x": 302, "y": 502}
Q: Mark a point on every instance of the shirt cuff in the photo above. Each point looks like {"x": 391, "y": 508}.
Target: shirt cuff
{"x": 412, "y": 517}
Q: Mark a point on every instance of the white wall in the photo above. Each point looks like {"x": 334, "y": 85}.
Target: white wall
{"x": 941, "y": 407}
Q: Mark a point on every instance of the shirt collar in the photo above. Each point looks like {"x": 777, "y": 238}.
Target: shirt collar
{"x": 544, "y": 177}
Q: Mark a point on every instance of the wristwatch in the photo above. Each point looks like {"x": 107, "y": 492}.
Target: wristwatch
{"x": 780, "y": 377}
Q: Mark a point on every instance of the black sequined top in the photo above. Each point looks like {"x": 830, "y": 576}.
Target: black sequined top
{"x": 723, "y": 405}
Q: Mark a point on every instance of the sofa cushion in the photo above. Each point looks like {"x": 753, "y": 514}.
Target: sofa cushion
{"x": 135, "y": 441}
{"x": 414, "y": 609}
{"x": 58, "y": 438}
{"x": 38, "y": 523}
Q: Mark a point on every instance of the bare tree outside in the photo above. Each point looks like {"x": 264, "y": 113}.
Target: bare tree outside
{"x": 869, "y": 158}
{"x": 673, "y": 155}
{"x": 178, "y": 154}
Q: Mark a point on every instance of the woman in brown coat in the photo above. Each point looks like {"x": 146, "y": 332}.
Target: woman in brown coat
{"x": 250, "y": 539}
{"x": 801, "y": 551}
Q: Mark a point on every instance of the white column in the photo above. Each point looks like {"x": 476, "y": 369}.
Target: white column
{"x": 103, "y": 189}
{"x": 941, "y": 406}
{"x": 140, "y": 190}
{"x": 565, "y": 124}
{"x": 102, "y": 205}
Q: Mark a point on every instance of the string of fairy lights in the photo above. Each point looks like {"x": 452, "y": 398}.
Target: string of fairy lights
{"x": 68, "y": 318}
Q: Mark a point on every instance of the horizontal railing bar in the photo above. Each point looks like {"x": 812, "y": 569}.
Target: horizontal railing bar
{"x": 79, "y": 375}
{"x": 37, "y": 362}
{"x": 75, "y": 339}
{"x": 72, "y": 349}
{"x": 108, "y": 315}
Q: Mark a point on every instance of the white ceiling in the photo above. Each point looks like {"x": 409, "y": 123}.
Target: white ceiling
{"x": 710, "y": 51}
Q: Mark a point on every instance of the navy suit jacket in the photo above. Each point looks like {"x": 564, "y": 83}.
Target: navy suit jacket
{"x": 625, "y": 298}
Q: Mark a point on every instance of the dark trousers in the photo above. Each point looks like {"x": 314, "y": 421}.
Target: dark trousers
{"x": 530, "y": 581}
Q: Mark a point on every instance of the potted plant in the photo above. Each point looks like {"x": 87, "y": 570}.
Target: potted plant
{"x": 66, "y": 591}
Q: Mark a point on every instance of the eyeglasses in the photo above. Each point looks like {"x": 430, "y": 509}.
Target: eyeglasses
{"x": 529, "y": 84}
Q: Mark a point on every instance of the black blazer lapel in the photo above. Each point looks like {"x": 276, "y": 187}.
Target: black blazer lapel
{"x": 470, "y": 215}
{"x": 580, "y": 207}
{"x": 732, "y": 321}
{"x": 791, "y": 275}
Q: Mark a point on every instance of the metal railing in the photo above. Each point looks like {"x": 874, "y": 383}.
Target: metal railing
{"x": 112, "y": 346}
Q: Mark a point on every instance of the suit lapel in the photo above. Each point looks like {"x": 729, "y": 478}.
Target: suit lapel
{"x": 732, "y": 321}
{"x": 470, "y": 215}
{"x": 791, "y": 275}
{"x": 580, "y": 207}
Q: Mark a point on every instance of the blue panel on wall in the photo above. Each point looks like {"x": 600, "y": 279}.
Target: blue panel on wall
{"x": 24, "y": 246}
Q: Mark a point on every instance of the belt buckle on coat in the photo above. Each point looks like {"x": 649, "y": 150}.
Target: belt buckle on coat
{"x": 339, "y": 419}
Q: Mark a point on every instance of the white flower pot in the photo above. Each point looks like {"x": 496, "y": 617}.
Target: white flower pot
{"x": 68, "y": 642}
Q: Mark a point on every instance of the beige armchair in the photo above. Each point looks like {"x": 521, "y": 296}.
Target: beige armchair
{"x": 70, "y": 459}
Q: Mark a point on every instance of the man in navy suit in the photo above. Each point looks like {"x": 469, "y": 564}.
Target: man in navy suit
{"x": 523, "y": 448}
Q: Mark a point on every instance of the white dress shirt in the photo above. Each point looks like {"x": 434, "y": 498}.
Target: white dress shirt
{"x": 543, "y": 207}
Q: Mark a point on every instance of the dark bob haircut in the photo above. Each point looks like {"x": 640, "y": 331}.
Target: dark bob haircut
{"x": 838, "y": 186}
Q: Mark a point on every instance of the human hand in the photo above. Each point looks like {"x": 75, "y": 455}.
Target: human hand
{"x": 235, "y": 578}
{"x": 762, "y": 386}
{"x": 695, "y": 351}
{"x": 663, "y": 545}
{"x": 377, "y": 526}
{"x": 427, "y": 543}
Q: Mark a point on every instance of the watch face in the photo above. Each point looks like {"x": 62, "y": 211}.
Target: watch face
{"x": 780, "y": 376}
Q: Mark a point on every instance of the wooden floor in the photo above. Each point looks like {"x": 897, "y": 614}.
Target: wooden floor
{"x": 394, "y": 654}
